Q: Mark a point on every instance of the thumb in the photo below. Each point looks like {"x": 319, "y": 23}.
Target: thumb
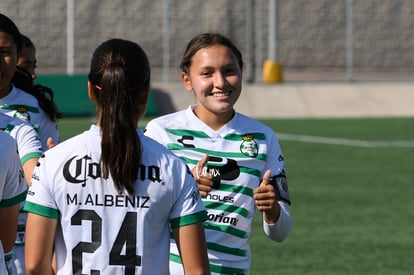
{"x": 266, "y": 178}
{"x": 200, "y": 165}
{"x": 50, "y": 143}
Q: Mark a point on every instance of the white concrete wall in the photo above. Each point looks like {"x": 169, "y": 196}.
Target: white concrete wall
{"x": 374, "y": 99}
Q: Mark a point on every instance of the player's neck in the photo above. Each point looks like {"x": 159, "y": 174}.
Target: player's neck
{"x": 5, "y": 90}
{"x": 213, "y": 120}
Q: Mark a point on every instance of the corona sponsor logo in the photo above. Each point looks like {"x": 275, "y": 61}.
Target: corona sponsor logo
{"x": 78, "y": 170}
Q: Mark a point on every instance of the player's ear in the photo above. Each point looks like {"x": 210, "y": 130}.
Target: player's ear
{"x": 91, "y": 94}
{"x": 186, "y": 81}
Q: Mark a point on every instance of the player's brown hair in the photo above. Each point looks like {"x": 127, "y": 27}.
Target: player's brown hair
{"x": 119, "y": 71}
{"x": 44, "y": 95}
{"x": 8, "y": 26}
{"x": 206, "y": 40}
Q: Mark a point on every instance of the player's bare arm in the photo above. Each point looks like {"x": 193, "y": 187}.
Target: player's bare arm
{"x": 265, "y": 198}
{"x": 191, "y": 243}
{"x": 40, "y": 233}
{"x": 8, "y": 218}
{"x": 28, "y": 168}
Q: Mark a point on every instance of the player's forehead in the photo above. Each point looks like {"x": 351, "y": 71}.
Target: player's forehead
{"x": 6, "y": 40}
{"x": 214, "y": 56}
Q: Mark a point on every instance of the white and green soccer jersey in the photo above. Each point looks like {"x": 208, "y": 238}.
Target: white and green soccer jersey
{"x": 27, "y": 139}
{"x": 29, "y": 147}
{"x": 239, "y": 154}
{"x": 101, "y": 231}
{"x": 12, "y": 184}
{"x": 24, "y": 106}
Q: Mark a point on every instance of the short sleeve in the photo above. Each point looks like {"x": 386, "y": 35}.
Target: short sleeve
{"x": 40, "y": 199}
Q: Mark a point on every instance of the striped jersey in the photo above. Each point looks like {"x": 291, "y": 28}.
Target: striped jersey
{"x": 12, "y": 184}
{"x": 27, "y": 139}
{"x": 101, "y": 231}
{"x": 29, "y": 147}
{"x": 24, "y": 106}
{"x": 239, "y": 154}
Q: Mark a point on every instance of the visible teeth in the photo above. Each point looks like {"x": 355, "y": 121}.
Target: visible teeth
{"x": 221, "y": 94}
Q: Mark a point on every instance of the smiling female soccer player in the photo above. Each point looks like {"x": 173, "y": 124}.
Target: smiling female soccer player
{"x": 236, "y": 160}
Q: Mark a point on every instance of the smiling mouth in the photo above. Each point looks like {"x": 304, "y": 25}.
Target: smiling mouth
{"x": 221, "y": 94}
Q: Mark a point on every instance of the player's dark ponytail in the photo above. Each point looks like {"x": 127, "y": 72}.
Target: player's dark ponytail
{"x": 119, "y": 72}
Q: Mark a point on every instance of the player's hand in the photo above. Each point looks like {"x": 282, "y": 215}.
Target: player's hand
{"x": 203, "y": 178}
{"x": 265, "y": 198}
{"x": 50, "y": 143}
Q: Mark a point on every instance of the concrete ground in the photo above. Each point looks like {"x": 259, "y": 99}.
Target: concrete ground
{"x": 305, "y": 99}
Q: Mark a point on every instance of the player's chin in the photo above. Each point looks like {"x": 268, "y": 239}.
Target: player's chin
{"x": 224, "y": 109}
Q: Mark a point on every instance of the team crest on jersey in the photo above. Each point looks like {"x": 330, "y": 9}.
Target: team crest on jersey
{"x": 22, "y": 114}
{"x": 249, "y": 146}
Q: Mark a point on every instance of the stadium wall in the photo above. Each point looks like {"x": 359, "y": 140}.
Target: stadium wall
{"x": 311, "y": 34}
{"x": 71, "y": 95}
{"x": 288, "y": 100}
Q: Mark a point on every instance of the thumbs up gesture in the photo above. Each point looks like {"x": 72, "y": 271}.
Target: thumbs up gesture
{"x": 203, "y": 178}
{"x": 265, "y": 198}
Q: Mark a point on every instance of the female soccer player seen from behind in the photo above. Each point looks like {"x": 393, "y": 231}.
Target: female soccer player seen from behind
{"x": 12, "y": 192}
{"x": 107, "y": 198}
{"x": 14, "y": 101}
{"x": 236, "y": 160}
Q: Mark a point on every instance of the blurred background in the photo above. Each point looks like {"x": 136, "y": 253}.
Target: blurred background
{"x": 337, "y": 40}
{"x": 319, "y": 58}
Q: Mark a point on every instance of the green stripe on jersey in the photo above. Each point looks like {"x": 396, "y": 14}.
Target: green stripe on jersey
{"x": 25, "y": 158}
{"x": 227, "y": 207}
{"x": 176, "y": 147}
{"x": 227, "y": 249}
{"x": 189, "y": 219}
{"x": 175, "y": 258}
{"x": 227, "y": 229}
{"x": 180, "y": 132}
{"x": 8, "y": 128}
{"x": 13, "y": 201}
{"x": 213, "y": 268}
{"x": 42, "y": 210}
{"x": 16, "y": 107}
{"x": 250, "y": 171}
{"x": 237, "y": 137}
{"x": 236, "y": 189}
{"x": 226, "y": 270}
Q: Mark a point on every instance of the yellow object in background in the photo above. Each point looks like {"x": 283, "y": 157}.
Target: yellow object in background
{"x": 272, "y": 72}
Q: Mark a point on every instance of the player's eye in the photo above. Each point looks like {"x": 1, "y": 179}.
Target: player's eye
{"x": 206, "y": 73}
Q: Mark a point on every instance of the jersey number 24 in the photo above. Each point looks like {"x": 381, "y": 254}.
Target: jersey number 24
{"x": 126, "y": 237}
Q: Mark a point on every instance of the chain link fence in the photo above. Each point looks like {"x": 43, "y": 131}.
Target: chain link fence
{"x": 319, "y": 40}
